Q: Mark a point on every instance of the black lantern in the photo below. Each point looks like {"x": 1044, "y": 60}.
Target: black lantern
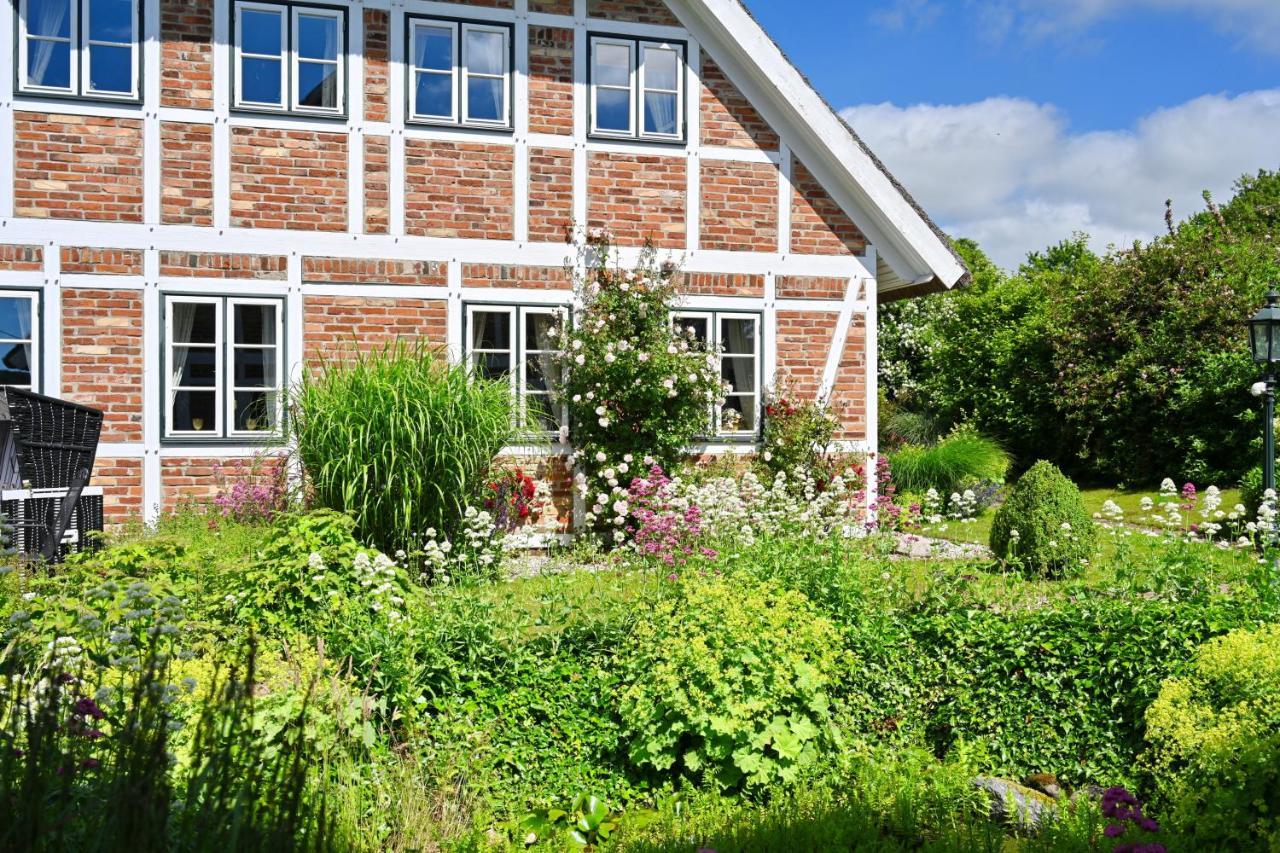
{"x": 1264, "y": 340}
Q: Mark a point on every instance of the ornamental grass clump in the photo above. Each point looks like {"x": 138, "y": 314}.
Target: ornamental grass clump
{"x": 1044, "y": 527}
{"x": 400, "y": 440}
{"x": 958, "y": 460}
{"x": 729, "y": 684}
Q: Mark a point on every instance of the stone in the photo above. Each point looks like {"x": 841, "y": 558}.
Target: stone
{"x": 1017, "y": 806}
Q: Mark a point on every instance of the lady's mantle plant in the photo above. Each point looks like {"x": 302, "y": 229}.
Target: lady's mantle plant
{"x": 634, "y": 384}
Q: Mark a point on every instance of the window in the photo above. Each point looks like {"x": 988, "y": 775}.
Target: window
{"x": 736, "y": 337}
{"x": 20, "y": 339}
{"x": 290, "y": 58}
{"x": 223, "y": 367}
{"x": 85, "y": 48}
{"x": 637, "y": 88}
{"x": 460, "y": 73}
{"x": 517, "y": 343}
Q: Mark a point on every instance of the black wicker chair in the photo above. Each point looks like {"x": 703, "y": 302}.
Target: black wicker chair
{"x": 47, "y": 444}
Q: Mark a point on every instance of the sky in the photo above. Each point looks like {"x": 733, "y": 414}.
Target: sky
{"x": 1020, "y": 122}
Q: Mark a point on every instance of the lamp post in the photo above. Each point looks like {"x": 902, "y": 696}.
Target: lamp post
{"x": 1264, "y": 340}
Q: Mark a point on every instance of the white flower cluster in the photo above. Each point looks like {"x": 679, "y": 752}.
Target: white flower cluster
{"x": 377, "y": 576}
{"x": 478, "y": 551}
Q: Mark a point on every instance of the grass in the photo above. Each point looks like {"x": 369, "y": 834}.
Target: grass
{"x": 962, "y": 456}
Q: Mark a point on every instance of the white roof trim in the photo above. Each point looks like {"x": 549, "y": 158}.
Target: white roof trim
{"x": 904, "y": 238}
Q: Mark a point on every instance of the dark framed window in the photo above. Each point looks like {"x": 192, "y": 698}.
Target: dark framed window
{"x": 79, "y": 48}
{"x": 516, "y": 343}
{"x": 459, "y": 72}
{"x": 290, "y": 58}
{"x": 637, "y": 88}
{"x": 734, "y": 336}
{"x": 20, "y": 339}
{"x": 223, "y": 367}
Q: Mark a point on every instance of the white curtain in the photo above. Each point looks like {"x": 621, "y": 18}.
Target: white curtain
{"x": 50, "y": 18}
{"x": 661, "y": 111}
{"x": 184, "y": 318}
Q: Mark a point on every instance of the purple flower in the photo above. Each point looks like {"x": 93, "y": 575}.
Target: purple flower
{"x": 1115, "y": 830}
{"x": 86, "y": 707}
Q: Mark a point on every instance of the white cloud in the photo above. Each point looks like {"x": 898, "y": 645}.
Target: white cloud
{"x": 1010, "y": 174}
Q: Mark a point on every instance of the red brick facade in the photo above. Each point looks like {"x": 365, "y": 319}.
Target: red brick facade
{"x": 804, "y": 339}
{"x": 638, "y": 198}
{"x": 638, "y": 11}
{"x": 721, "y": 284}
{"x": 727, "y": 118}
{"x": 121, "y": 484}
{"x": 186, "y": 54}
{"x": 550, "y": 194}
{"x": 739, "y": 206}
{"x": 459, "y": 190}
{"x": 334, "y": 325}
{"x": 186, "y": 173}
{"x": 21, "y": 258}
{"x": 849, "y": 392}
{"x": 102, "y": 357}
{"x": 215, "y": 265}
{"x": 811, "y": 287}
{"x": 377, "y": 198}
{"x": 77, "y": 167}
{"x": 501, "y": 275}
{"x": 89, "y": 261}
{"x": 321, "y": 270}
{"x": 294, "y": 179}
{"x": 377, "y": 32}
{"x": 551, "y": 80}
{"x": 818, "y": 225}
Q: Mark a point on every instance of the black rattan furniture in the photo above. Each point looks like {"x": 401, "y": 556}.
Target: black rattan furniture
{"x": 47, "y": 449}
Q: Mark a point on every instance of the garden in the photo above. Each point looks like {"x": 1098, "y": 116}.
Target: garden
{"x": 351, "y": 650}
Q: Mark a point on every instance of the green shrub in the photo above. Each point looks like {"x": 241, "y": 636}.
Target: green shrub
{"x": 400, "y": 440}
{"x": 797, "y": 433}
{"x": 961, "y": 457}
{"x": 1251, "y": 492}
{"x": 1215, "y": 743}
{"x": 1043, "y": 525}
{"x": 729, "y": 683}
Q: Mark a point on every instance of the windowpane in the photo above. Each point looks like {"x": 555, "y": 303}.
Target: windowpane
{"x": 492, "y": 365}
{"x": 15, "y": 364}
{"x": 433, "y": 48}
{"x": 318, "y": 85}
{"x": 260, "y": 81}
{"x": 260, "y": 31}
{"x": 110, "y": 69}
{"x": 255, "y": 411}
{"x": 738, "y": 335}
{"x": 195, "y": 367}
{"x": 255, "y": 368}
{"x": 740, "y": 373}
{"x": 540, "y": 373}
{"x": 613, "y": 65}
{"x": 661, "y": 68}
{"x": 434, "y": 95}
{"x": 738, "y": 414}
{"x": 484, "y": 98}
{"x": 255, "y": 324}
{"x": 195, "y": 411}
{"x": 698, "y": 325}
{"x": 195, "y": 322}
{"x": 491, "y": 330}
{"x": 540, "y": 413}
{"x": 111, "y": 20}
{"x": 486, "y": 52}
{"x": 317, "y": 37}
{"x": 49, "y": 18}
{"x": 660, "y": 113}
{"x": 537, "y": 328}
{"x": 15, "y": 318}
{"x": 613, "y": 110}
{"x": 49, "y": 64}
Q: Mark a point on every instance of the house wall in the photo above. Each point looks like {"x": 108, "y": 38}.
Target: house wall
{"x": 371, "y": 228}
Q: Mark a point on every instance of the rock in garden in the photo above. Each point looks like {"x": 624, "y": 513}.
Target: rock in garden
{"x": 1017, "y": 806}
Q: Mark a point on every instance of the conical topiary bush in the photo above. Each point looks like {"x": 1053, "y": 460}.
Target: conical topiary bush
{"x": 1044, "y": 526}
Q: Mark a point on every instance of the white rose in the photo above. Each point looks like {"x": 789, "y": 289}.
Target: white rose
{"x": 577, "y": 344}
{"x": 579, "y": 360}
{"x": 644, "y": 356}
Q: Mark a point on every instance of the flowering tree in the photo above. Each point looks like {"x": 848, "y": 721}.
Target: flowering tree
{"x": 634, "y": 385}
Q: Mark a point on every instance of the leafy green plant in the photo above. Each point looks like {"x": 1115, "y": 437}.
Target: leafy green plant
{"x": 728, "y": 683}
{"x": 797, "y": 432}
{"x": 1043, "y": 526}
{"x": 962, "y": 456}
{"x": 399, "y": 439}
{"x": 585, "y": 822}
{"x": 1215, "y": 742}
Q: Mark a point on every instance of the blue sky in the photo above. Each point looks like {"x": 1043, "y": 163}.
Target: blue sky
{"x": 1064, "y": 115}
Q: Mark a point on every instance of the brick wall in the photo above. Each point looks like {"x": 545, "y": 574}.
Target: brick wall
{"x": 121, "y": 482}
{"x": 504, "y": 275}
{"x": 377, "y": 28}
{"x": 196, "y": 479}
{"x": 84, "y": 260}
{"x": 818, "y": 225}
{"x": 377, "y": 200}
{"x": 639, "y": 11}
{"x": 849, "y": 392}
{"x": 557, "y": 514}
{"x": 739, "y": 206}
{"x": 21, "y": 258}
{"x": 463, "y": 189}
{"x": 102, "y": 356}
{"x": 218, "y": 265}
{"x": 804, "y": 341}
{"x": 186, "y": 173}
{"x": 552, "y": 7}
{"x": 320, "y": 270}
{"x": 727, "y": 117}
{"x": 721, "y": 284}
{"x": 551, "y": 80}
{"x": 810, "y": 287}
{"x": 335, "y": 324}
{"x": 186, "y": 54}
{"x": 638, "y": 198}
{"x": 550, "y": 195}
{"x": 77, "y": 167}
{"x": 294, "y": 179}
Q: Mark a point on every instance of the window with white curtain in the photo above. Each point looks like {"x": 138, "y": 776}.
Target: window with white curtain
{"x": 516, "y": 344}
{"x": 223, "y": 371}
{"x": 20, "y": 339}
{"x": 82, "y": 48}
{"x": 637, "y": 88}
{"x": 735, "y": 338}
{"x": 290, "y": 58}
{"x": 459, "y": 72}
